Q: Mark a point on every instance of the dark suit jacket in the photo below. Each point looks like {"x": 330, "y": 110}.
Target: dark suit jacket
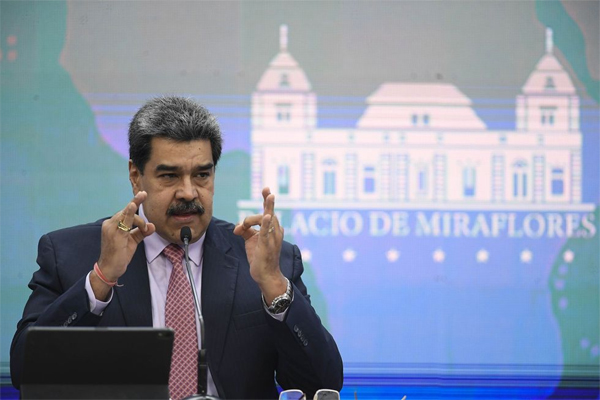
{"x": 245, "y": 345}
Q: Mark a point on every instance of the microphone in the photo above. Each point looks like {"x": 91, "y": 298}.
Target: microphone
{"x": 292, "y": 394}
{"x": 185, "y": 236}
{"x": 297, "y": 394}
{"x": 327, "y": 394}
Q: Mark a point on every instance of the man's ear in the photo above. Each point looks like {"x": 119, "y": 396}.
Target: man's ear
{"x": 135, "y": 177}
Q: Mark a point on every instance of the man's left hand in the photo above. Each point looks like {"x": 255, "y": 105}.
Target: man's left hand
{"x": 263, "y": 248}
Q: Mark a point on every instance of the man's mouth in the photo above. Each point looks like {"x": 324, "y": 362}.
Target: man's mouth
{"x": 184, "y": 217}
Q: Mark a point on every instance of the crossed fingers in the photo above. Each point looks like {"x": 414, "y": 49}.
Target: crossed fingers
{"x": 126, "y": 218}
{"x": 268, "y": 221}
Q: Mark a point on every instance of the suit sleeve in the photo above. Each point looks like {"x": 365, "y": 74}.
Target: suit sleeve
{"x": 58, "y": 298}
{"x": 308, "y": 357}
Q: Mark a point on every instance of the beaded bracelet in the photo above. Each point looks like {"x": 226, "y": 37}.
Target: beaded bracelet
{"x": 103, "y": 278}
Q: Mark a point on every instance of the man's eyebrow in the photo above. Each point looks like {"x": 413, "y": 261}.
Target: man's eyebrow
{"x": 168, "y": 168}
{"x": 204, "y": 167}
{"x": 173, "y": 168}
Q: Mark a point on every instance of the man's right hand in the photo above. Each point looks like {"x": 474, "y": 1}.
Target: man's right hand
{"x": 118, "y": 245}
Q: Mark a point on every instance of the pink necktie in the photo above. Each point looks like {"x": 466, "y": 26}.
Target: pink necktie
{"x": 179, "y": 316}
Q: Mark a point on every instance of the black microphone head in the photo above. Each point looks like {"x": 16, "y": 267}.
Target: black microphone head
{"x": 186, "y": 234}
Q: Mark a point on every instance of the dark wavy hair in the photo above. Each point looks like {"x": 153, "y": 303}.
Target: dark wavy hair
{"x": 171, "y": 117}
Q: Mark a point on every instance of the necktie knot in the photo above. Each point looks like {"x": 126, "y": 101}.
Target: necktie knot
{"x": 174, "y": 253}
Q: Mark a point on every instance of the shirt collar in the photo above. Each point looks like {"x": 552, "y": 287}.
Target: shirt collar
{"x": 155, "y": 244}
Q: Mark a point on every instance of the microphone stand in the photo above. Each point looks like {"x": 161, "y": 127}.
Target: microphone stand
{"x": 202, "y": 361}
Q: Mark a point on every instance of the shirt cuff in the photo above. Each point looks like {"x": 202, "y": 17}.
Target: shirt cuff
{"x": 96, "y": 306}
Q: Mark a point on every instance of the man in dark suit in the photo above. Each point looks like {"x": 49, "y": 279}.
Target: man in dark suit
{"x": 120, "y": 271}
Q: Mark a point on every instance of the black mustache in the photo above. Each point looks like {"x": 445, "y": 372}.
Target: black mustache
{"x": 190, "y": 207}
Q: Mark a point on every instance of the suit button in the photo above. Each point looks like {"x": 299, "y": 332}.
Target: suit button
{"x": 74, "y": 316}
{"x": 296, "y": 328}
{"x": 305, "y": 343}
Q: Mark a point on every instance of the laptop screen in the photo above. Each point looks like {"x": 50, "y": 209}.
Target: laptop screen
{"x": 105, "y": 357}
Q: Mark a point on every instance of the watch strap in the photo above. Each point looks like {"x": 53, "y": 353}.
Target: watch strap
{"x": 281, "y": 302}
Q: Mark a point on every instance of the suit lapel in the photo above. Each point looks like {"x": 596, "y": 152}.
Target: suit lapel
{"x": 134, "y": 296}
{"x": 219, "y": 276}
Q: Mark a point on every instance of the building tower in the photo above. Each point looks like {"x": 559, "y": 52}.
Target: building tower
{"x": 549, "y": 101}
{"x": 283, "y": 105}
{"x": 549, "y": 108}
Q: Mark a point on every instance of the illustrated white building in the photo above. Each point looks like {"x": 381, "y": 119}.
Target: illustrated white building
{"x": 417, "y": 143}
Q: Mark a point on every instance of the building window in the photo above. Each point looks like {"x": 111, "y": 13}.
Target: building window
{"x": 283, "y": 179}
{"x": 426, "y": 119}
{"x": 329, "y": 183}
{"x": 284, "y": 81}
{"x": 284, "y": 112}
{"x": 369, "y": 179}
{"x": 558, "y": 181}
{"x": 547, "y": 115}
{"x": 415, "y": 119}
{"x": 469, "y": 181}
{"x": 520, "y": 179}
{"x": 549, "y": 83}
{"x": 329, "y": 177}
{"x": 421, "y": 180}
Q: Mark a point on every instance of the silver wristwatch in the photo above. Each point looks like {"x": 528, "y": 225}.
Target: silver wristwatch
{"x": 282, "y": 302}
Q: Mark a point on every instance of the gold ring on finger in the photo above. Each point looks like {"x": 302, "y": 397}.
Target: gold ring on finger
{"x": 123, "y": 227}
{"x": 271, "y": 229}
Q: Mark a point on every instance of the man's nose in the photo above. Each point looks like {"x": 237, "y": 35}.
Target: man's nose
{"x": 187, "y": 191}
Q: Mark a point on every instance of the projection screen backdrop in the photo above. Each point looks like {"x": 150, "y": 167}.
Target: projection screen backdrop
{"x": 436, "y": 163}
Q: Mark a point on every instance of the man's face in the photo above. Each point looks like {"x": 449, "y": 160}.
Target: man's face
{"x": 179, "y": 179}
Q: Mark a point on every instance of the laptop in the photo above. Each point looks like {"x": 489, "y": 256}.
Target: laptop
{"x": 97, "y": 363}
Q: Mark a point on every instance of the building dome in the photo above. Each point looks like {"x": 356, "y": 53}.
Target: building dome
{"x": 419, "y": 105}
{"x": 283, "y": 74}
{"x": 549, "y": 77}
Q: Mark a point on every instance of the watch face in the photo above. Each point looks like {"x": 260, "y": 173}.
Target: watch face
{"x": 279, "y": 305}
